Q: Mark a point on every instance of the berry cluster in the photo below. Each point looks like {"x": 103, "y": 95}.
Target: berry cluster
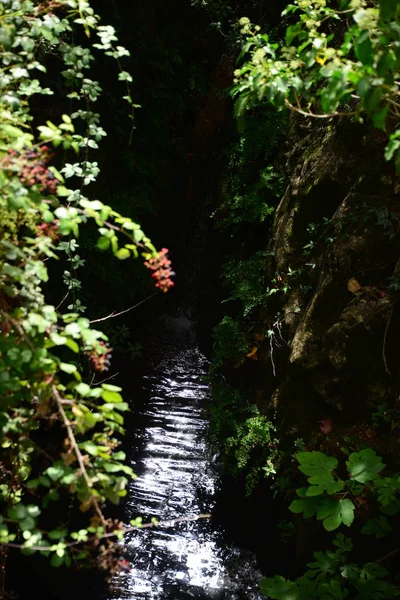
{"x": 162, "y": 272}
{"x": 31, "y": 168}
{"x": 49, "y": 229}
{"x": 101, "y": 360}
{"x": 48, "y": 6}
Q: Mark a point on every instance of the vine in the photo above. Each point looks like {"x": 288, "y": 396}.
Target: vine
{"x": 334, "y": 62}
{"x": 59, "y": 433}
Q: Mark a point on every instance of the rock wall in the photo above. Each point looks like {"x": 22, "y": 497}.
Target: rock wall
{"x": 334, "y": 258}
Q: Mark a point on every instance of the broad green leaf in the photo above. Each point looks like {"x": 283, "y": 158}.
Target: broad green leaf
{"x": 240, "y": 105}
{"x": 325, "y": 564}
{"x": 279, "y": 588}
{"x": 90, "y": 447}
{"x": 334, "y": 512}
{"x": 111, "y": 388}
{"x": 363, "y": 48}
{"x": 307, "y": 506}
{"x": 83, "y": 389}
{"x": 122, "y": 253}
{"x": 103, "y": 243}
{"x": 317, "y": 466}
{"x": 387, "y": 489}
{"x": 68, "y": 368}
{"x": 112, "y": 397}
{"x": 378, "y": 527}
{"x": 365, "y": 465}
{"x": 55, "y": 472}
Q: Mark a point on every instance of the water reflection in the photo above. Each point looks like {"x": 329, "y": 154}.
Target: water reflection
{"x": 177, "y": 479}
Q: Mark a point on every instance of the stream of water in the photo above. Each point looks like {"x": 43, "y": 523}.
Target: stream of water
{"x": 177, "y": 477}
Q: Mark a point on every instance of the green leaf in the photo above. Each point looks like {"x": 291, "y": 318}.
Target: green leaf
{"x": 330, "y": 486}
{"x": 55, "y": 472}
{"x": 111, "y": 397}
{"x": 317, "y": 466}
{"x": 373, "y": 571}
{"x": 32, "y": 510}
{"x": 17, "y": 512}
{"x": 103, "y": 243}
{"x": 292, "y": 32}
{"x": 72, "y": 345}
{"x": 387, "y": 489}
{"x": 308, "y": 506}
{"x": 68, "y": 368}
{"x": 59, "y": 340}
{"x": 111, "y": 388}
{"x": 122, "y": 253}
{"x": 83, "y": 389}
{"x": 378, "y": 527}
{"x": 375, "y": 590}
{"x": 56, "y": 561}
{"x": 343, "y": 543}
{"x": 90, "y": 420}
{"x": 393, "y": 145}
{"x": 387, "y": 62}
{"x": 90, "y": 447}
{"x": 334, "y": 512}
{"x": 379, "y": 117}
{"x": 388, "y": 9}
{"x": 27, "y": 523}
{"x": 365, "y": 465}
{"x": 347, "y": 511}
{"x": 325, "y": 564}
{"x": 363, "y": 48}
{"x": 279, "y": 588}
{"x": 240, "y": 105}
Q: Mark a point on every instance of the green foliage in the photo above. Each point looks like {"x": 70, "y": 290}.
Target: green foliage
{"x": 332, "y": 577}
{"x": 287, "y": 530}
{"x": 248, "y": 439}
{"x": 230, "y": 343}
{"x": 251, "y": 188}
{"x": 387, "y": 489}
{"x": 59, "y": 433}
{"x": 382, "y": 414}
{"x": 378, "y": 527}
{"x": 245, "y": 279}
{"x": 328, "y": 496}
{"x": 334, "y": 61}
{"x": 251, "y": 185}
{"x": 364, "y": 466}
{"x": 254, "y": 446}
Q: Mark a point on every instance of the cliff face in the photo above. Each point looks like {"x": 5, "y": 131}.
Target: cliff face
{"x": 334, "y": 258}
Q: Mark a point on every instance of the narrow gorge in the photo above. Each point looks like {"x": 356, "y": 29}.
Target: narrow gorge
{"x": 212, "y": 413}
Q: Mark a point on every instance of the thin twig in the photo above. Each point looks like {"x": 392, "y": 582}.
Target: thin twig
{"x": 114, "y": 314}
{"x": 103, "y": 380}
{"x": 384, "y": 342}
{"x": 310, "y": 114}
{"x": 389, "y": 555}
{"x": 170, "y": 523}
{"x": 78, "y": 453}
{"x": 272, "y": 356}
{"x": 63, "y": 300}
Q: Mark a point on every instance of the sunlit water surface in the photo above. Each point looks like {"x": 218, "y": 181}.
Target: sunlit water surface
{"x": 177, "y": 477}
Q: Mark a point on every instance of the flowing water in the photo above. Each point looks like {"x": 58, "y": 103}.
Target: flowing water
{"x": 177, "y": 477}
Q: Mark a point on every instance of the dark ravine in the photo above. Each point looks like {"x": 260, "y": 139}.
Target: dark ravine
{"x": 178, "y": 477}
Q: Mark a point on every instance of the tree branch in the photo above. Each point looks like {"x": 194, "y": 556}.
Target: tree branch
{"x": 78, "y": 453}
{"x": 325, "y": 116}
{"x": 384, "y": 341}
{"x": 114, "y": 314}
